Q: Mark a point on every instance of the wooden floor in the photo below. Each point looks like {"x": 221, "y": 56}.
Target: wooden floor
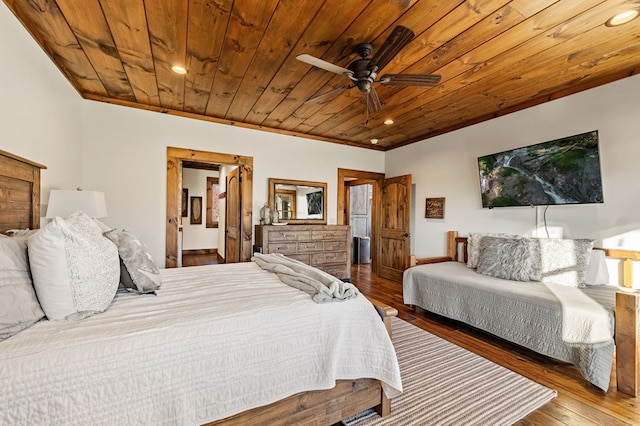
{"x": 199, "y": 259}
{"x": 577, "y": 403}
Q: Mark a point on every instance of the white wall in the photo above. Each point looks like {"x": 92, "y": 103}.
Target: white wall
{"x": 446, "y": 166}
{"x": 124, "y": 155}
{"x": 40, "y": 111}
{"x": 197, "y": 236}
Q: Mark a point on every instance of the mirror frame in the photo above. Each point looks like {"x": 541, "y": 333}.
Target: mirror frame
{"x": 272, "y": 193}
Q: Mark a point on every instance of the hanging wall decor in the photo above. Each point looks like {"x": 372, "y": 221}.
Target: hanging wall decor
{"x": 185, "y": 200}
{"x": 435, "y": 208}
{"x": 196, "y": 210}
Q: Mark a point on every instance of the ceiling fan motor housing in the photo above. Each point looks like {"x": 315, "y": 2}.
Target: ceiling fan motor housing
{"x": 362, "y": 75}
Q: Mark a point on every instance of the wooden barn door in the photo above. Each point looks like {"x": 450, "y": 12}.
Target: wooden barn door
{"x": 233, "y": 229}
{"x": 394, "y": 232}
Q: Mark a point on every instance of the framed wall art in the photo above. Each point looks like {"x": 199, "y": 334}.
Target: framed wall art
{"x": 185, "y": 200}
{"x": 196, "y": 211}
{"x": 213, "y": 202}
{"x": 435, "y": 208}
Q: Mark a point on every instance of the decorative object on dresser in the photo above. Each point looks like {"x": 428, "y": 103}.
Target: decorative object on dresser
{"x": 327, "y": 247}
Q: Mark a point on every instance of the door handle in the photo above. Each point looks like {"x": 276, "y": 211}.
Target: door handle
{"x": 406, "y": 235}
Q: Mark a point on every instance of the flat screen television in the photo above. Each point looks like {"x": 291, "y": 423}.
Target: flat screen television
{"x": 562, "y": 171}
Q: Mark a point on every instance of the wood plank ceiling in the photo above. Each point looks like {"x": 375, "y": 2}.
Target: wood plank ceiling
{"x": 494, "y": 56}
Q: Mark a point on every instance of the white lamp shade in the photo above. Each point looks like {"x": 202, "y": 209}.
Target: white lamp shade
{"x": 63, "y": 202}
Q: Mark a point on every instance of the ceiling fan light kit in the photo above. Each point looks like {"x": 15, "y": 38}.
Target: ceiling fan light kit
{"x": 363, "y": 72}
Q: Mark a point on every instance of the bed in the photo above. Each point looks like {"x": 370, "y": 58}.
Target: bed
{"x": 218, "y": 344}
{"x": 513, "y": 309}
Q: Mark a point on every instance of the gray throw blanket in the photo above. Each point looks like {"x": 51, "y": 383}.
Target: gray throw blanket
{"x": 322, "y": 286}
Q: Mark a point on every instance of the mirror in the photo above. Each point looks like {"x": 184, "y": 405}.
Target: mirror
{"x": 299, "y": 201}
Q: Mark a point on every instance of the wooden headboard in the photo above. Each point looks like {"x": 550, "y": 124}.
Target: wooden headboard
{"x": 19, "y": 192}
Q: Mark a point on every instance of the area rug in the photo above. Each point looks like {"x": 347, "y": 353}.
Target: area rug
{"x": 447, "y": 385}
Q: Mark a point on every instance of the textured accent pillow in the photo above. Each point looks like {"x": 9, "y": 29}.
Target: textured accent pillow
{"x": 138, "y": 271}
{"x": 473, "y": 246}
{"x": 509, "y": 258}
{"x": 75, "y": 269}
{"x": 564, "y": 261}
{"x": 19, "y": 307}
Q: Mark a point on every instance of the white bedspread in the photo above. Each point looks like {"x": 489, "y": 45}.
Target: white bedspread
{"x": 215, "y": 341}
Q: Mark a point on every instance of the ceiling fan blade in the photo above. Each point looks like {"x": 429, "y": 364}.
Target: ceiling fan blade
{"x": 327, "y": 66}
{"x": 372, "y": 100}
{"x": 428, "y": 80}
{"x": 329, "y": 95}
{"x": 397, "y": 40}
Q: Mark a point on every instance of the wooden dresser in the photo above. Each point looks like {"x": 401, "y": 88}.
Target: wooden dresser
{"x": 327, "y": 247}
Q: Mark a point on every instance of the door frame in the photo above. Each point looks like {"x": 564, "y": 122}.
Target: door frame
{"x": 175, "y": 156}
{"x": 345, "y": 176}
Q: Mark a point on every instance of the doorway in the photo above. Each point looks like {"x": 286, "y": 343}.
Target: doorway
{"x": 347, "y": 179}
{"x": 390, "y": 218}
{"x": 243, "y": 223}
{"x": 201, "y": 240}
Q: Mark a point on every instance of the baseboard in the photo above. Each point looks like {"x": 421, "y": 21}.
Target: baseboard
{"x": 211, "y": 251}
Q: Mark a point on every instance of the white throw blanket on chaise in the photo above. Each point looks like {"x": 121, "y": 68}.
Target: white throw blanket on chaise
{"x": 584, "y": 321}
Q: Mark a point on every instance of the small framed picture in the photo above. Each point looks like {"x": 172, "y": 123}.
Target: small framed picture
{"x": 185, "y": 200}
{"x": 435, "y": 208}
{"x": 196, "y": 210}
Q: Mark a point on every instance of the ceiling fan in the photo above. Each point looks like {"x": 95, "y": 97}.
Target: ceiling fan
{"x": 364, "y": 71}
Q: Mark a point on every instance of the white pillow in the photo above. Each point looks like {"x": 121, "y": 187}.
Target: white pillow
{"x": 19, "y": 307}
{"x": 564, "y": 261}
{"x": 597, "y": 271}
{"x": 75, "y": 269}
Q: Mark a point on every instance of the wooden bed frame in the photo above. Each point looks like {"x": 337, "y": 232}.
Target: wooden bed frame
{"x": 20, "y": 209}
{"x": 627, "y": 333}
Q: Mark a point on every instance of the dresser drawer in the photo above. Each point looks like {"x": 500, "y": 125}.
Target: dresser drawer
{"x": 333, "y": 257}
{"x": 335, "y": 246}
{"x": 310, "y": 246}
{"x": 338, "y": 234}
{"x": 284, "y": 248}
{"x": 304, "y": 258}
{"x": 289, "y": 235}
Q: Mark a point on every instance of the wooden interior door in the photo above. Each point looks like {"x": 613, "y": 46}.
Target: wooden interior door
{"x": 393, "y": 247}
{"x": 233, "y": 229}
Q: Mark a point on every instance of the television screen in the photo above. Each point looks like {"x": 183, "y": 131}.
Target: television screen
{"x": 562, "y": 171}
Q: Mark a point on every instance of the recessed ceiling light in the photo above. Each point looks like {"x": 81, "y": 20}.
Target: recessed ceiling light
{"x": 388, "y": 121}
{"x": 622, "y": 18}
{"x": 178, "y": 69}
{"x": 374, "y": 141}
